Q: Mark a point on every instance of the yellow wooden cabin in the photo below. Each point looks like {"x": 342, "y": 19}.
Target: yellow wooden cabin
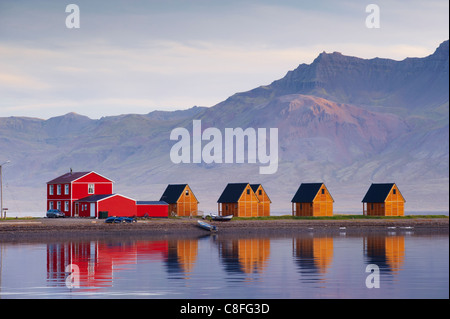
{"x": 239, "y": 200}
{"x": 263, "y": 198}
{"x": 384, "y": 200}
{"x": 181, "y": 200}
{"x": 312, "y": 199}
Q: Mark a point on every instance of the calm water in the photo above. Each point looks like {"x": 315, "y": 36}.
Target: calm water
{"x": 307, "y": 266}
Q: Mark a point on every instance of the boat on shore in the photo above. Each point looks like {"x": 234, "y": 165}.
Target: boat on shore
{"x": 221, "y": 218}
{"x": 206, "y": 226}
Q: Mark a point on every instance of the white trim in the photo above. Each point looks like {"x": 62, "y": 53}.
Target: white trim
{"x": 112, "y": 195}
{"x": 95, "y": 173}
{"x": 92, "y": 213}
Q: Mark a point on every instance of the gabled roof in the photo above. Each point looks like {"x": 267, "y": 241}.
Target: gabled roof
{"x": 232, "y": 193}
{"x": 68, "y": 178}
{"x": 73, "y": 176}
{"x": 94, "y": 198}
{"x": 306, "y": 193}
{"x": 378, "y": 193}
{"x": 255, "y": 188}
{"x": 97, "y": 198}
{"x": 173, "y": 193}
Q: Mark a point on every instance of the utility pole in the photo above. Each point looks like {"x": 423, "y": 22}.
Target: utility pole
{"x": 1, "y": 190}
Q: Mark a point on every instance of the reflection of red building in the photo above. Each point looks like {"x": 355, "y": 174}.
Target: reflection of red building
{"x": 97, "y": 260}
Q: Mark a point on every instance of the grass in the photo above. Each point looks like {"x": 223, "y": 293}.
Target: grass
{"x": 339, "y": 217}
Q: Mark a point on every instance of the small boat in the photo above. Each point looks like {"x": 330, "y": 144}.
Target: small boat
{"x": 221, "y": 218}
{"x": 206, "y": 226}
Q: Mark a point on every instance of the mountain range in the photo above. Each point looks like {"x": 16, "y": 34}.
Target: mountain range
{"x": 341, "y": 120}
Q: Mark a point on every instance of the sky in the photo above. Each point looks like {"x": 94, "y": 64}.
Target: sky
{"x": 136, "y": 56}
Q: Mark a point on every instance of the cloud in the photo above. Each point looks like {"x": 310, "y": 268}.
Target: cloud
{"x": 165, "y": 54}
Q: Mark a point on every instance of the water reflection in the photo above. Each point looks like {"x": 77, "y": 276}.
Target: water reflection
{"x": 313, "y": 256}
{"x": 254, "y": 266}
{"x": 387, "y": 252}
{"x": 181, "y": 257}
{"x": 249, "y": 255}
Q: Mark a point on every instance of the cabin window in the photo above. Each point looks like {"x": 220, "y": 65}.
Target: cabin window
{"x": 58, "y": 189}
{"x": 50, "y": 205}
{"x": 300, "y": 205}
{"x": 248, "y": 191}
{"x": 394, "y": 191}
{"x": 91, "y": 188}
{"x": 66, "y": 189}
{"x": 66, "y": 206}
{"x": 323, "y": 190}
{"x": 50, "y": 189}
{"x": 226, "y": 207}
{"x": 371, "y": 206}
{"x": 260, "y": 192}
{"x": 58, "y": 205}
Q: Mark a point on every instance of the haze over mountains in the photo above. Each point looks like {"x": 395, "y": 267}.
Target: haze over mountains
{"x": 341, "y": 120}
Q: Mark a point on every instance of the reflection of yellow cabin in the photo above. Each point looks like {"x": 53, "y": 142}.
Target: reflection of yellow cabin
{"x": 253, "y": 254}
{"x": 384, "y": 200}
{"x": 318, "y": 249}
{"x": 390, "y": 249}
{"x": 187, "y": 253}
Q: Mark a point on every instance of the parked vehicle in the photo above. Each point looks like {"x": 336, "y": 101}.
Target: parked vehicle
{"x": 55, "y": 213}
{"x": 115, "y": 220}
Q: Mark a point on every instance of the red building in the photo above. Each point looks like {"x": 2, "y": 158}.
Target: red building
{"x": 115, "y": 204}
{"x": 85, "y": 194}
{"x": 152, "y": 209}
{"x": 64, "y": 191}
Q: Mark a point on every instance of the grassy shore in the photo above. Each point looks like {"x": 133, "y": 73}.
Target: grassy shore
{"x": 289, "y": 217}
{"x": 18, "y": 229}
{"x": 339, "y": 217}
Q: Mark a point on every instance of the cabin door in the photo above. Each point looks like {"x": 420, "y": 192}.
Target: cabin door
{"x": 92, "y": 210}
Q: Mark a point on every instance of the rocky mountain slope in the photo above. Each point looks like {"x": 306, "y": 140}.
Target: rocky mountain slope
{"x": 341, "y": 120}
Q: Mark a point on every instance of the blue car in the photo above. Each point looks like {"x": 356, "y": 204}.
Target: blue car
{"x": 115, "y": 220}
{"x": 55, "y": 213}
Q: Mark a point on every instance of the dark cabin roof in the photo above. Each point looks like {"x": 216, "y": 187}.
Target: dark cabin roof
{"x": 232, "y": 193}
{"x": 68, "y": 178}
{"x": 377, "y": 193}
{"x": 306, "y": 193}
{"x": 94, "y": 198}
{"x": 173, "y": 193}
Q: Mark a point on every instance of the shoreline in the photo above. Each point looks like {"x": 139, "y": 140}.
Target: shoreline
{"x": 84, "y": 227}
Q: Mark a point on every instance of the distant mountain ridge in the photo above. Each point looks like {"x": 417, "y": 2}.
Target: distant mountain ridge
{"x": 412, "y": 82}
{"x": 342, "y": 120}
